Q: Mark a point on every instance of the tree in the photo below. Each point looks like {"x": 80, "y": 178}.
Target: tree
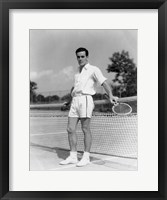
{"x": 40, "y": 98}
{"x": 48, "y": 99}
{"x": 66, "y": 97}
{"x": 33, "y": 87}
{"x": 125, "y": 82}
{"x": 55, "y": 98}
{"x": 52, "y": 98}
{"x": 99, "y": 96}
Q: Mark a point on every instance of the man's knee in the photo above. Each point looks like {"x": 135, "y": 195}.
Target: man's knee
{"x": 70, "y": 130}
{"x": 86, "y": 129}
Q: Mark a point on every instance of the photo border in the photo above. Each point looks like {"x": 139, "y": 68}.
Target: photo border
{"x": 5, "y": 6}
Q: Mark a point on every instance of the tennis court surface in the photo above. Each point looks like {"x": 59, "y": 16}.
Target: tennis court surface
{"x": 114, "y": 146}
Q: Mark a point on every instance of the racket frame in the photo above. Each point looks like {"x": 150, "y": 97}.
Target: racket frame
{"x": 121, "y": 114}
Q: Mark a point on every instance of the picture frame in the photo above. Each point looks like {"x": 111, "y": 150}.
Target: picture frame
{"x": 5, "y": 6}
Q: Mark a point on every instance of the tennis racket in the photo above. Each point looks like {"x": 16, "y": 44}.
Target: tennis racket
{"x": 120, "y": 108}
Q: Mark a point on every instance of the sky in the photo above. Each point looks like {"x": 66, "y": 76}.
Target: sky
{"x": 53, "y": 61}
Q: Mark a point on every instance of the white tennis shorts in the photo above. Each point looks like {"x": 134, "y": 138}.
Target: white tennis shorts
{"x": 82, "y": 106}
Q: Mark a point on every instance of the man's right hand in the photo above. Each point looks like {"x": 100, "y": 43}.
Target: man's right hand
{"x": 65, "y": 106}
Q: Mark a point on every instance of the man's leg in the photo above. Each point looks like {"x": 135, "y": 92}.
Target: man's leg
{"x": 85, "y": 124}
{"x": 71, "y": 129}
{"x": 72, "y": 137}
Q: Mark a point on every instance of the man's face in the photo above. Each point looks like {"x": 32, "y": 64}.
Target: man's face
{"x": 82, "y": 58}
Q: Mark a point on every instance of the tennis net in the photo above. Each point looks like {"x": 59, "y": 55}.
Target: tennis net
{"x": 112, "y": 134}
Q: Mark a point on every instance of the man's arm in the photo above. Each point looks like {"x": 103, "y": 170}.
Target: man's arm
{"x": 102, "y": 80}
{"x": 107, "y": 88}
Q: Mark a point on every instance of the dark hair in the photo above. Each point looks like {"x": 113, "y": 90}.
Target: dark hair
{"x": 82, "y": 49}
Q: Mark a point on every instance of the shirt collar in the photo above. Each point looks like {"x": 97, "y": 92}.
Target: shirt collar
{"x": 85, "y": 67}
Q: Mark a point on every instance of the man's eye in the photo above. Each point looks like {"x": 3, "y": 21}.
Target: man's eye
{"x": 80, "y": 57}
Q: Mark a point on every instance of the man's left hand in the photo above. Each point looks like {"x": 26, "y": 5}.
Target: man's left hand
{"x": 113, "y": 99}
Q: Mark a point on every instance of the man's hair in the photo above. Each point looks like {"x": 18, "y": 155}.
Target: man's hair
{"x": 82, "y": 49}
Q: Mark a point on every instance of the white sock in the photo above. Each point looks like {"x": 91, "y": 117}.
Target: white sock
{"x": 86, "y": 154}
{"x": 73, "y": 154}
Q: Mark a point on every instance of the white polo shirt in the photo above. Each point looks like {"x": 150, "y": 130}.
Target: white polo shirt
{"x": 86, "y": 81}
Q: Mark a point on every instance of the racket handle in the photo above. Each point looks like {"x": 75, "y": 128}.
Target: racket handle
{"x": 106, "y": 95}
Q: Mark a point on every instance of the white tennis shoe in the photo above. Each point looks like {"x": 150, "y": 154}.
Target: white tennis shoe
{"x": 69, "y": 160}
{"x": 83, "y": 162}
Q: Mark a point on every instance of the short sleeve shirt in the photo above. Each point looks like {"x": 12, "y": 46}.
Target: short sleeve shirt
{"x": 86, "y": 81}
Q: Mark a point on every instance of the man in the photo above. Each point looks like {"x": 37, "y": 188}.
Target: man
{"x": 82, "y": 106}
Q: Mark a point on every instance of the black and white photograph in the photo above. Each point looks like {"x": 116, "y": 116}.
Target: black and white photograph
{"x": 83, "y": 100}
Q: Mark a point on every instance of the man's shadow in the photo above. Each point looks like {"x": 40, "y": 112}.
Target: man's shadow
{"x": 61, "y": 153}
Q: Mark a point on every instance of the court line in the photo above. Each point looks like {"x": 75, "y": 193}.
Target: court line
{"x": 64, "y": 167}
{"x": 51, "y": 133}
{"x": 54, "y": 133}
{"x": 98, "y": 161}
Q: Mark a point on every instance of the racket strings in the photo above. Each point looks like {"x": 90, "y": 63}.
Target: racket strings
{"x": 122, "y": 108}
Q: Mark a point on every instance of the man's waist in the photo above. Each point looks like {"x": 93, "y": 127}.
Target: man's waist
{"x": 80, "y": 94}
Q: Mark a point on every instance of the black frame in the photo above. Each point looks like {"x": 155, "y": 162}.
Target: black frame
{"x": 5, "y": 6}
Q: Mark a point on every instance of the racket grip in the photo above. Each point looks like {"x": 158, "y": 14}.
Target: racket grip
{"x": 106, "y": 95}
{"x": 115, "y": 102}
